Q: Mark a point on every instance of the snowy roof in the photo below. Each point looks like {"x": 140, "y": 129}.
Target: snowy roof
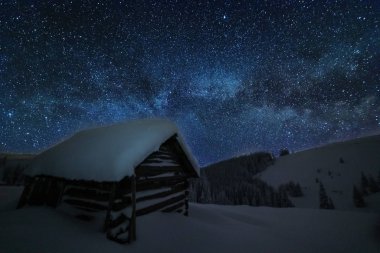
{"x": 107, "y": 153}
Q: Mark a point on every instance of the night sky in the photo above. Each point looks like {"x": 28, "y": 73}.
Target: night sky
{"x": 237, "y": 77}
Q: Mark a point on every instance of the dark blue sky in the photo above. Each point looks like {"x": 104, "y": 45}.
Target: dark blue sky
{"x": 236, "y": 76}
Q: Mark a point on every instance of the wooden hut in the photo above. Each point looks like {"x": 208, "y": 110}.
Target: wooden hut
{"x": 117, "y": 173}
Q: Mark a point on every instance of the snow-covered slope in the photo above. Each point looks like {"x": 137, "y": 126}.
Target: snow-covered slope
{"x": 338, "y": 166}
{"x": 209, "y": 228}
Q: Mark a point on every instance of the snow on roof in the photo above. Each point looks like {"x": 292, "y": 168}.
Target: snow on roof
{"x": 107, "y": 153}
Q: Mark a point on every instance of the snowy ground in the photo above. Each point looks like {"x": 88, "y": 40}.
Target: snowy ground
{"x": 209, "y": 228}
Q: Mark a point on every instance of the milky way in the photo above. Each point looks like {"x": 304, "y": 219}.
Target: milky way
{"x": 236, "y": 76}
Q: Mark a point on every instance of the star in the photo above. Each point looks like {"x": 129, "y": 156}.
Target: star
{"x": 236, "y": 77}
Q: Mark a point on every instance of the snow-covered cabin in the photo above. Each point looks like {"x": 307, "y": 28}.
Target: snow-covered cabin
{"x": 117, "y": 172}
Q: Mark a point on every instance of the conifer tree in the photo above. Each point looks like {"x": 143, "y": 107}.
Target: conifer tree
{"x": 284, "y": 152}
{"x": 323, "y": 199}
{"x": 298, "y": 190}
{"x": 358, "y": 198}
{"x": 331, "y": 204}
{"x": 364, "y": 182}
{"x": 372, "y": 185}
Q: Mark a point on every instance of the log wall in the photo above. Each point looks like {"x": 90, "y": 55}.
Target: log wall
{"x": 159, "y": 184}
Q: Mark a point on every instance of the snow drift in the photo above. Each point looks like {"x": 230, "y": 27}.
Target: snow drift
{"x": 209, "y": 228}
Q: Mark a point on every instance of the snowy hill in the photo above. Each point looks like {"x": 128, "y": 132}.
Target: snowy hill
{"x": 209, "y": 228}
{"x": 338, "y": 166}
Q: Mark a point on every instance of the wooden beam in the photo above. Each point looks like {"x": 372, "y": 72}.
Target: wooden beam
{"x": 160, "y": 159}
{"x": 126, "y": 200}
{"x": 118, "y": 221}
{"x": 160, "y": 205}
{"x": 173, "y": 207}
{"x": 157, "y": 185}
{"x": 111, "y": 197}
{"x": 159, "y": 180}
{"x": 146, "y": 170}
{"x": 86, "y": 193}
{"x": 122, "y": 203}
{"x": 186, "y": 213}
{"x": 132, "y": 226}
{"x": 91, "y": 210}
{"x": 86, "y": 204}
{"x": 176, "y": 189}
{"x": 143, "y": 184}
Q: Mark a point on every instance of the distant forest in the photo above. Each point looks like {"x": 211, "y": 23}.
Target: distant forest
{"x": 234, "y": 182}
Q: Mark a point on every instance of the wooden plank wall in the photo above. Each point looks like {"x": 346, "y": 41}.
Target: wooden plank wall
{"x": 162, "y": 171}
{"x": 161, "y": 185}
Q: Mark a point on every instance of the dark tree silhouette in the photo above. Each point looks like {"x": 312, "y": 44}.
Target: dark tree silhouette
{"x": 232, "y": 182}
{"x": 324, "y": 201}
{"x": 364, "y": 184}
{"x": 358, "y": 198}
{"x": 293, "y": 189}
{"x": 298, "y": 191}
{"x": 372, "y": 185}
{"x": 284, "y": 152}
{"x": 331, "y": 204}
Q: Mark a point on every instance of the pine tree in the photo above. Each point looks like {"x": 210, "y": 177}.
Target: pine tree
{"x": 364, "y": 181}
{"x": 331, "y": 204}
{"x": 4, "y": 161}
{"x": 358, "y": 198}
{"x": 323, "y": 199}
{"x": 298, "y": 190}
{"x": 372, "y": 185}
{"x": 257, "y": 200}
{"x": 284, "y": 152}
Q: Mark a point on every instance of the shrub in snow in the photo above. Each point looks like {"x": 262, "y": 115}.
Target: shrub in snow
{"x": 358, "y": 198}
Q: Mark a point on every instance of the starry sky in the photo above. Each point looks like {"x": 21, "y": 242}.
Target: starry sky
{"x": 236, "y": 76}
